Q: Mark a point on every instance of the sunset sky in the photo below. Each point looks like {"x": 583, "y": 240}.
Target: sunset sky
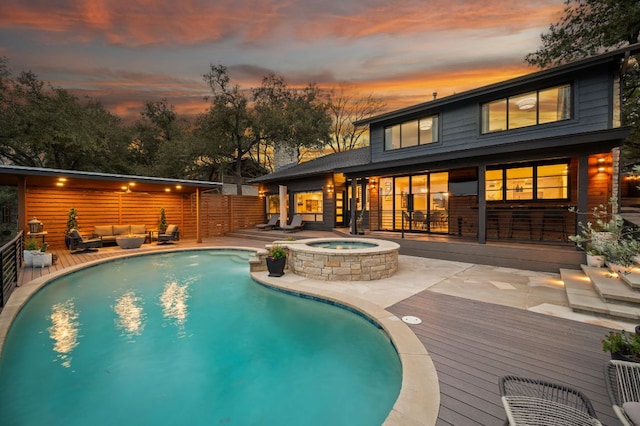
{"x": 125, "y": 53}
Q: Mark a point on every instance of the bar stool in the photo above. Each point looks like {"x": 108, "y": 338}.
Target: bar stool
{"x": 554, "y": 221}
{"x": 521, "y": 220}
{"x": 493, "y": 220}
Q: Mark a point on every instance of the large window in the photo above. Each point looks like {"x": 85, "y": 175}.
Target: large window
{"x": 309, "y": 205}
{"x": 417, "y": 202}
{"x": 527, "y": 109}
{"x": 412, "y": 133}
{"x": 532, "y": 182}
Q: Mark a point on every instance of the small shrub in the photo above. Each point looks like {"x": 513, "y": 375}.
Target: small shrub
{"x": 623, "y": 343}
{"x": 277, "y": 252}
{"x": 31, "y": 244}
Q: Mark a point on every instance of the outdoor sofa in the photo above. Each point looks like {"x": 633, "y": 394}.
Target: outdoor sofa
{"x": 109, "y": 233}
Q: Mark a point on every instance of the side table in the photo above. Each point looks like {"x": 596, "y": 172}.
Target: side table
{"x": 42, "y": 235}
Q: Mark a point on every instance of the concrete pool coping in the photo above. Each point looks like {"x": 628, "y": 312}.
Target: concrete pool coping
{"x": 419, "y": 399}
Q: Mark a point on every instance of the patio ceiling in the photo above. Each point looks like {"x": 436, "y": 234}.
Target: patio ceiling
{"x": 52, "y": 178}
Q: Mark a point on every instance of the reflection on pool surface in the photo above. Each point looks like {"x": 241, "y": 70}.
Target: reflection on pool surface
{"x": 189, "y": 338}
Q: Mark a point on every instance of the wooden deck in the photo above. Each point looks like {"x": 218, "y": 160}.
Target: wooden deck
{"x": 471, "y": 343}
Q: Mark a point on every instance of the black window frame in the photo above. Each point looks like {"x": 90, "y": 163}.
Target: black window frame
{"x": 537, "y": 91}
{"x": 534, "y": 165}
{"x": 435, "y": 133}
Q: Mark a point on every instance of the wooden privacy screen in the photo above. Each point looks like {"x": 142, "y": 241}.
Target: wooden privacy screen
{"x": 219, "y": 213}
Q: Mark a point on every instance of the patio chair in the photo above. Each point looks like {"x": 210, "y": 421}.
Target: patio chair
{"x": 78, "y": 244}
{"x": 419, "y": 219}
{"x": 170, "y": 235}
{"x": 296, "y": 224}
{"x": 271, "y": 224}
{"x": 623, "y": 386}
{"x": 536, "y": 402}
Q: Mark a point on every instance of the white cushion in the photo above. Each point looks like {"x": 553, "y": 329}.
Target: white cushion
{"x": 632, "y": 410}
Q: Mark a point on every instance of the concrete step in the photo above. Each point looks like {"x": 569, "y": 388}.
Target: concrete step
{"x": 611, "y": 287}
{"x": 277, "y": 235}
{"x": 267, "y": 236}
{"x": 633, "y": 278}
{"x": 583, "y": 295}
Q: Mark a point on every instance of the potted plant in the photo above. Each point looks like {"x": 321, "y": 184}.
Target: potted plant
{"x": 622, "y": 345}
{"x": 276, "y": 260}
{"x": 162, "y": 224}
{"x": 595, "y": 256}
{"x": 608, "y": 238}
{"x": 30, "y": 245}
{"x": 72, "y": 223}
{"x": 41, "y": 258}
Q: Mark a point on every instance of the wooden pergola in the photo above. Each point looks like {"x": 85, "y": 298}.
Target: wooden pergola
{"x": 102, "y": 198}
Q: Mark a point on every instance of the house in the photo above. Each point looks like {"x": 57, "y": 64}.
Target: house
{"x": 503, "y": 162}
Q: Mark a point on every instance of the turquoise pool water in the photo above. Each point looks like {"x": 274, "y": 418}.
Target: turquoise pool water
{"x": 189, "y": 339}
{"x": 342, "y": 245}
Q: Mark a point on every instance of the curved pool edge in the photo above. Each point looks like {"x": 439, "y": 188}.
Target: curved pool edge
{"x": 23, "y": 293}
{"x": 419, "y": 400}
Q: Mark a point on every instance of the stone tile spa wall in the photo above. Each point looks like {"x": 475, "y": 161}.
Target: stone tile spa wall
{"x": 361, "y": 264}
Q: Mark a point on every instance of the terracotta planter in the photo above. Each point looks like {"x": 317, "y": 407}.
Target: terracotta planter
{"x": 276, "y": 266}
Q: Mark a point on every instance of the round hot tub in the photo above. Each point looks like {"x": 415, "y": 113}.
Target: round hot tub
{"x": 343, "y": 259}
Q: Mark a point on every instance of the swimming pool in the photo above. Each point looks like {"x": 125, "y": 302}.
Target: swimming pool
{"x": 189, "y": 338}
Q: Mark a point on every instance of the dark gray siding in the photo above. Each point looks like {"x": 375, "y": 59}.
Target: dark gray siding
{"x": 460, "y": 121}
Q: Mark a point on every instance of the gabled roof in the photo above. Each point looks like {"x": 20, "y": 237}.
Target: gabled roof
{"x": 320, "y": 165}
{"x": 507, "y": 84}
{"x": 40, "y": 176}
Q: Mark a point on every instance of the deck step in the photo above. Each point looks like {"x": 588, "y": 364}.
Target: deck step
{"x": 583, "y": 295}
{"x": 632, "y": 279}
{"x": 267, "y": 236}
{"x": 611, "y": 287}
{"x": 277, "y": 235}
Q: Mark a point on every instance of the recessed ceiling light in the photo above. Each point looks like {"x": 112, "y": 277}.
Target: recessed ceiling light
{"x": 526, "y": 104}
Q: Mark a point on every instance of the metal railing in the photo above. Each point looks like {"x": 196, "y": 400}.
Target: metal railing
{"x": 10, "y": 262}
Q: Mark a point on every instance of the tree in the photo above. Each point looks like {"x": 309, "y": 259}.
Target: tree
{"x": 45, "y": 126}
{"x": 162, "y": 145}
{"x": 591, "y": 27}
{"x": 229, "y": 122}
{"x": 347, "y": 107}
{"x": 239, "y": 121}
{"x": 291, "y": 119}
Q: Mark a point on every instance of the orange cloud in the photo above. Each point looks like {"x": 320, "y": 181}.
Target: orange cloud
{"x": 402, "y": 51}
{"x": 152, "y": 22}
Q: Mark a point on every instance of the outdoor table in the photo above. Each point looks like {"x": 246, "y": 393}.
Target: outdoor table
{"x": 42, "y": 235}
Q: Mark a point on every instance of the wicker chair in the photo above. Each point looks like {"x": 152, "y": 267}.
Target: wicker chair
{"x": 536, "y": 402}
{"x": 623, "y": 385}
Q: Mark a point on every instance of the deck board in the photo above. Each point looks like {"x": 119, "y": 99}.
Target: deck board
{"x": 473, "y": 344}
